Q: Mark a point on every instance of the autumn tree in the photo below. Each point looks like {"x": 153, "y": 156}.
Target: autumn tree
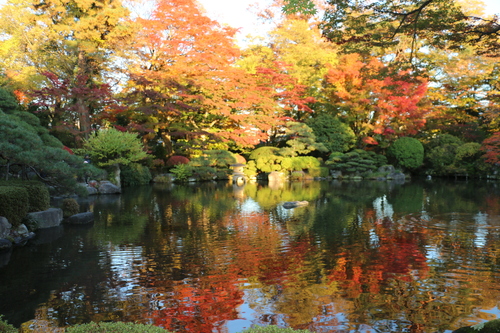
{"x": 375, "y": 102}
{"x": 77, "y": 41}
{"x": 360, "y": 25}
{"x": 298, "y": 44}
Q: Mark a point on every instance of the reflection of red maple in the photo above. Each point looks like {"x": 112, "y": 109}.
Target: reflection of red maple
{"x": 200, "y": 305}
{"x": 398, "y": 256}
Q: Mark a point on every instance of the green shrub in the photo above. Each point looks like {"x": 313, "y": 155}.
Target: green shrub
{"x": 267, "y": 159}
{"x": 135, "y": 174}
{"x": 13, "y": 204}
{"x": 38, "y": 193}
{"x": 118, "y": 327}
{"x": 322, "y": 172}
{"x": 356, "y": 162}
{"x": 182, "y": 172}
{"x": 407, "y": 153}
{"x": 70, "y": 207}
{"x": 273, "y": 329}
{"x": 5, "y": 327}
{"x": 110, "y": 146}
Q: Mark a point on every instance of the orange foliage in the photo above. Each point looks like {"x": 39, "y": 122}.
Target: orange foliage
{"x": 375, "y": 102}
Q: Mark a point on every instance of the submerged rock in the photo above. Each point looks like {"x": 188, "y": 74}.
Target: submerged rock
{"x": 294, "y": 204}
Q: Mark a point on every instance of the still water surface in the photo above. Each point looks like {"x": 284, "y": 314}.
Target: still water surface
{"x": 361, "y": 257}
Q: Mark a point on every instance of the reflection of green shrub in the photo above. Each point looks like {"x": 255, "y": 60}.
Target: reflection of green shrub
{"x": 273, "y": 329}
{"x": 407, "y": 153}
{"x": 120, "y": 327}
{"x": 135, "y": 174}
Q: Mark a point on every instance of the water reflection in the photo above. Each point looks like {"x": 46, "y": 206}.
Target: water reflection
{"x": 361, "y": 257}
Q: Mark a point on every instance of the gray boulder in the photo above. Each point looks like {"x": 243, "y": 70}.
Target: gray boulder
{"x": 106, "y": 187}
{"x": 49, "y": 218}
{"x": 80, "y": 218}
{"x": 21, "y": 235}
{"x": 5, "y": 227}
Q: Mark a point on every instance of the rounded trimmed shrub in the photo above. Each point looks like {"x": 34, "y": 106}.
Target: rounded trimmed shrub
{"x": 14, "y": 204}
{"x": 407, "y": 153}
{"x": 135, "y": 174}
{"x": 70, "y": 207}
{"x": 175, "y": 160}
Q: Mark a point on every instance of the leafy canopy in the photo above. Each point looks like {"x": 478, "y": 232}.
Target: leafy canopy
{"x": 110, "y": 146}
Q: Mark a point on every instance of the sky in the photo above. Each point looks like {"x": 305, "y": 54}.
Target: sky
{"x": 235, "y": 13}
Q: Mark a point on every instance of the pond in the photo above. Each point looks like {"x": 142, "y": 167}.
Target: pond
{"x": 423, "y": 256}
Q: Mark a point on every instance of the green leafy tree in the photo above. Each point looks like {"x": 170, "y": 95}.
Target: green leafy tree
{"x": 361, "y": 25}
{"x": 407, "y": 153}
{"x": 332, "y": 133}
{"x": 301, "y": 140}
{"x": 110, "y": 147}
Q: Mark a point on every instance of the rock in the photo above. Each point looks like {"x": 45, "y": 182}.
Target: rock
{"x": 294, "y": 204}
{"x": 386, "y": 169}
{"x": 5, "y": 244}
{"x": 80, "y": 218}
{"x": 398, "y": 176}
{"x": 91, "y": 190}
{"x": 106, "y": 187}
{"x": 21, "y": 235}
{"x": 49, "y": 218}
{"x": 275, "y": 177}
{"x": 5, "y": 227}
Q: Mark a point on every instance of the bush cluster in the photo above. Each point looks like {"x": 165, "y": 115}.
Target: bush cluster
{"x": 38, "y": 194}
{"x": 447, "y": 155}
{"x": 356, "y": 162}
{"x": 70, "y": 207}
{"x": 407, "y": 153}
{"x": 14, "y": 203}
{"x": 210, "y": 165}
{"x": 135, "y": 174}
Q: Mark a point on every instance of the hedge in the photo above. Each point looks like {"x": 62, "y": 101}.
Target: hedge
{"x": 14, "y": 204}
{"x": 38, "y": 193}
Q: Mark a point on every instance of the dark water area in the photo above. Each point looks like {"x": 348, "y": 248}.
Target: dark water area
{"x": 423, "y": 256}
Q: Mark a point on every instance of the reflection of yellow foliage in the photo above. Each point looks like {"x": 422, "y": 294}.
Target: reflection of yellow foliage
{"x": 296, "y": 191}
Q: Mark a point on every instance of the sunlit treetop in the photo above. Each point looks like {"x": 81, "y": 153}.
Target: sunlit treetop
{"x": 359, "y": 25}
